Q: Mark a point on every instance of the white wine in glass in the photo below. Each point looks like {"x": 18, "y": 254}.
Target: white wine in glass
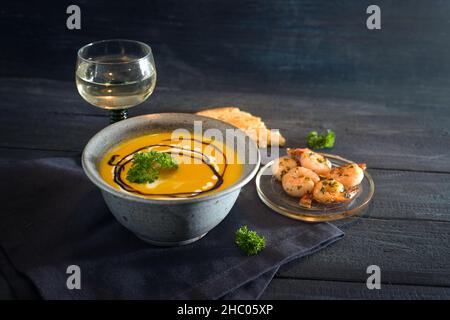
{"x": 115, "y": 75}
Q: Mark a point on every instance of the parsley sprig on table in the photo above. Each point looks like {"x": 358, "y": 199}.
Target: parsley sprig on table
{"x": 249, "y": 241}
{"x": 321, "y": 141}
{"x": 146, "y": 166}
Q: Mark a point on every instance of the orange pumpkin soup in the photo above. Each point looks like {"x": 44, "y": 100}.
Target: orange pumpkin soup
{"x": 203, "y": 166}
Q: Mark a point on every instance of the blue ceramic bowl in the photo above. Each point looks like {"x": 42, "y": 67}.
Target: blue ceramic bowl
{"x": 167, "y": 222}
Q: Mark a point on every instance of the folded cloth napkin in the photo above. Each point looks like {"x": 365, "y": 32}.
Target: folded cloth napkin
{"x": 54, "y": 217}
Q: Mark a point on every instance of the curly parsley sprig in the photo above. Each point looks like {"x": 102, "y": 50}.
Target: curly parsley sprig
{"x": 321, "y": 141}
{"x": 146, "y": 166}
{"x": 249, "y": 241}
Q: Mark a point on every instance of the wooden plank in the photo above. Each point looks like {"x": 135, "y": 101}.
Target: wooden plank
{"x": 400, "y": 195}
{"x": 53, "y": 117}
{"x": 29, "y": 154}
{"x": 391, "y": 235}
{"x": 290, "y": 289}
{"x": 275, "y": 44}
{"x": 405, "y": 195}
{"x": 407, "y": 251}
{"x": 393, "y": 111}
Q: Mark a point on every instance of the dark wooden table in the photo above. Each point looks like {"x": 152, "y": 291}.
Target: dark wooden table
{"x": 299, "y": 64}
{"x": 404, "y": 141}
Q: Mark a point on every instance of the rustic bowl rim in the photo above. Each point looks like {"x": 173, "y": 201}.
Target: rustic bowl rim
{"x": 92, "y": 173}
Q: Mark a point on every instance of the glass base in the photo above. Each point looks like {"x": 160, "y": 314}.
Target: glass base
{"x": 117, "y": 115}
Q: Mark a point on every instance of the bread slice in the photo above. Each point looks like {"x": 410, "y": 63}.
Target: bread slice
{"x": 251, "y": 125}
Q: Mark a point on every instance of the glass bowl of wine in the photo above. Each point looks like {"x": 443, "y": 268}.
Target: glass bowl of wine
{"x": 115, "y": 75}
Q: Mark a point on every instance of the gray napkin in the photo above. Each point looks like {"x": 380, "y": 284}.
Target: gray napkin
{"x": 54, "y": 217}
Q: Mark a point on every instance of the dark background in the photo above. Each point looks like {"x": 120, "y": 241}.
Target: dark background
{"x": 300, "y": 65}
{"x": 270, "y": 46}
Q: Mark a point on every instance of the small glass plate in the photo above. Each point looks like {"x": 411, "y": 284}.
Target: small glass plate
{"x": 272, "y": 194}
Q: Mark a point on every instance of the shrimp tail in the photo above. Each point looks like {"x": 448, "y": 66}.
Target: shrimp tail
{"x": 306, "y": 201}
{"x": 349, "y": 194}
{"x": 296, "y": 153}
{"x": 362, "y": 166}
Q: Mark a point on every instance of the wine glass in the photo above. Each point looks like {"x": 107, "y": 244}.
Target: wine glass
{"x": 115, "y": 75}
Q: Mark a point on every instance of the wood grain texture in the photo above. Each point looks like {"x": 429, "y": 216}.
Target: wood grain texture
{"x": 407, "y": 251}
{"x": 56, "y": 118}
{"x": 404, "y": 231}
{"x": 301, "y": 65}
{"x": 406, "y": 195}
{"x": 274, "y": 45}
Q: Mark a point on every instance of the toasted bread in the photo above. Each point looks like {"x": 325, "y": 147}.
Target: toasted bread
{"x": 251, "y": 125}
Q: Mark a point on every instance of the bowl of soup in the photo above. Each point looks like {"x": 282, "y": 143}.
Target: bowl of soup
{"x": 171, "y": 177}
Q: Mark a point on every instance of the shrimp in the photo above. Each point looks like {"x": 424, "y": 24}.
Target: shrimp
{"x": 299, "y": 181}
{"x": 350, "y": 175}
{"x": 330, "y": 190}
{"x": 306, "y": 200}
{"x": 311, "y": 160}
{"x": 281, "y": 166}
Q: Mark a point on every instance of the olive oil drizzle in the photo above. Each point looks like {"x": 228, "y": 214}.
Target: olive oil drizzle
{"x": 119, "y": 166}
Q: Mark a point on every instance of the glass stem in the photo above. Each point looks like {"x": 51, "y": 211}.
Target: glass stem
{"x": 117, "y": 115}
